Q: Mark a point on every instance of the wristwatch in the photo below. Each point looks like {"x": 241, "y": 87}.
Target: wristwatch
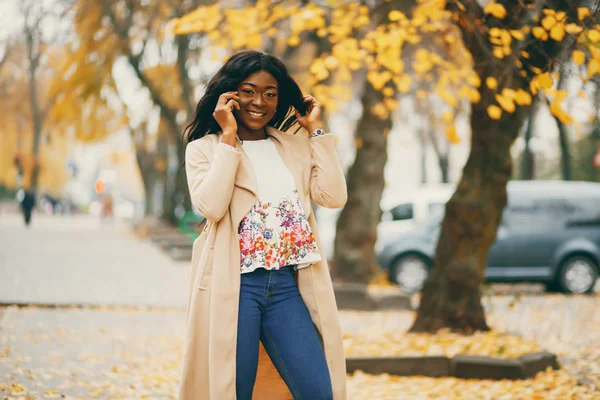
{"x": 317, "y": 132}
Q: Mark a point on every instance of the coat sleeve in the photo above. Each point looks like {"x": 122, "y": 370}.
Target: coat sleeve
{"x": 327, "y": 181}
{"x": 211, "y": 182}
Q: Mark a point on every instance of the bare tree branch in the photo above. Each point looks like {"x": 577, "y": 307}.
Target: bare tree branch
{"x": 134, "y": 61}
{"x": 5, "y": 56}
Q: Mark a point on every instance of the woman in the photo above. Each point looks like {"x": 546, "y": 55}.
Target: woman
{"x": 258, "y": 274}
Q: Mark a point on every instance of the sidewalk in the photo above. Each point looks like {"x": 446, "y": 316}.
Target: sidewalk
{"x": 126, "y": 342}
{"x": 80, "y": 260}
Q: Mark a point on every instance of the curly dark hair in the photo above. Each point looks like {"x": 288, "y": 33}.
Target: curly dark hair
{"x": 227, "y": 79}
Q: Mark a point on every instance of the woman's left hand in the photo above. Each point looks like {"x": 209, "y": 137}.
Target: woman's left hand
{"x": 311, "y": 121}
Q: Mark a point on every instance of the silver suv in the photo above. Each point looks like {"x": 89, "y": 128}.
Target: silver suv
{"x": 550, "y": 233}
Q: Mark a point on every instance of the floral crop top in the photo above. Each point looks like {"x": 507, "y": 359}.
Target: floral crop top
{"x": 276, "y": 232}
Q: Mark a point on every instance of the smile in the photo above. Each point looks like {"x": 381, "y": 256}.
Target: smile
{"x": 256, "y": 114}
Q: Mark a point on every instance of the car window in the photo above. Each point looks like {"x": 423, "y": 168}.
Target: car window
{"x": 585, "y": 209}
{"x": 436, "y": 208}
{"x": 402, "y": 212}
{"x": 539, "y": 212}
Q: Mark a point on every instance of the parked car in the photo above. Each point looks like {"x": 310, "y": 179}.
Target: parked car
{"x": 549, "y": 233}
{"x": 401, "y": 211}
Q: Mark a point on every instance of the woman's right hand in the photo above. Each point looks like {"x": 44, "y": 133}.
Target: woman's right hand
{"x": 224, "y": 113}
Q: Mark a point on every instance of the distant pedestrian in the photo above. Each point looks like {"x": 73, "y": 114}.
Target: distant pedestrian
{"x": 27, "y": 204}
{"x": 258, "y": 270}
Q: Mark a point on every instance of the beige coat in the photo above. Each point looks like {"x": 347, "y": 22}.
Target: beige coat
{"x": 223, "y": 187}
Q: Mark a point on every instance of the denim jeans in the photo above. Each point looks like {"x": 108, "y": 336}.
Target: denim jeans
{"x": 272, "y": 311}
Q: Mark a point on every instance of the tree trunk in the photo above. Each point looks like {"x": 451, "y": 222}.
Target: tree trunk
{"x": 565, "y": 159}
{"x": 356, "y": 231}
{"x": 527, "y": 162}
{"x": 149, "y": 175}
{"x": 33, "y": 59}
{"x": 179, "y": 197}
{"x": 444, "y": 167}
{"x": 442, "y": 156}
{"x": 563, "y": 137}
{"x": 451, "y": 296}
{"x": 423, "y": 157}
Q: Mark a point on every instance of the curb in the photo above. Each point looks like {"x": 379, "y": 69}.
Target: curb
{"x": 460, "y": 366}
{"x": 355, "y": 296}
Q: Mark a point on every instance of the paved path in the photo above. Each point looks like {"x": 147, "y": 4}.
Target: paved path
{"x": 80, "y": 260}
{"x": 123, "y": 353}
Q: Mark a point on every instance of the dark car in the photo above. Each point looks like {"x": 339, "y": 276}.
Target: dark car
{"x": 550, "y": 233}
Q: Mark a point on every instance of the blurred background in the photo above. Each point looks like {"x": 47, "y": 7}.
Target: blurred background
{"x": 424, "y": 97}
{"x": 95, "y": 96}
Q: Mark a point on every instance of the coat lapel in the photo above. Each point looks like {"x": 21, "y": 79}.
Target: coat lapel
{"x": 245, "y": 177}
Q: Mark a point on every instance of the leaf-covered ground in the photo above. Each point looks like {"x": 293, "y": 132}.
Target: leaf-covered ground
{"x": 132, "y": 353}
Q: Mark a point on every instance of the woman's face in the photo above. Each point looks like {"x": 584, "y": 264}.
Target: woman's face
{"x": 259, "y": 96}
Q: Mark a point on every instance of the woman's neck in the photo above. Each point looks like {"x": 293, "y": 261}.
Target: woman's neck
{"x": 247, "y": 134}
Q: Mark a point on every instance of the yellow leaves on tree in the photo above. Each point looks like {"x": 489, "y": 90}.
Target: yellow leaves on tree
{"x": 424, "y": 61}
{"x": 491, "y": 82}
{"x": 494, "y": 112}
{"x": 545, "y": 81}
{"x": 396, "y": 16}
{"x": 578, "y": 57}
{"x": 451, "y": 134}
{"x": 319, "y": 70}
{"x": 522, "y": 97}
{"x": 593, "y": 67}
{"x": 540, "y": 33}
{"x": 205, "y": 19}
{"x": 557, "y": 111}
{"x": 380, "y": 110}
{"x": 593, "y": 35}
{"x": 502, "y": 39}
{"x": 403, "y": 83}
{"x": 506, "y": 102}
{"x": 495, "y": 9}
{"x": 379, "y": 50}
{"x": 379, "y": 79}
{"x": 554, "y": 25}
{"x": 583, "y": 12}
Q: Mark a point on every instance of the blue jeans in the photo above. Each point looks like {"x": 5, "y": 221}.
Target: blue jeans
{"x": 272, "y": 311}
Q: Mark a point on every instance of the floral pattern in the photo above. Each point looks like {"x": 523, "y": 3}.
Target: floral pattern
{"x": 273, "y": 236}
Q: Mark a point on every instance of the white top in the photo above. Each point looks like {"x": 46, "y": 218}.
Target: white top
{"x": 276, "y": 232}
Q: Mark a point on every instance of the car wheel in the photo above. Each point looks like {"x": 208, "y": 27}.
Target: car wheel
{"x": 578, "y": 275}
{"x": 410, "y": 272}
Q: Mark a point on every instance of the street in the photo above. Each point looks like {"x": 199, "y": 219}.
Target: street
{"x": 81, "y": 260}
